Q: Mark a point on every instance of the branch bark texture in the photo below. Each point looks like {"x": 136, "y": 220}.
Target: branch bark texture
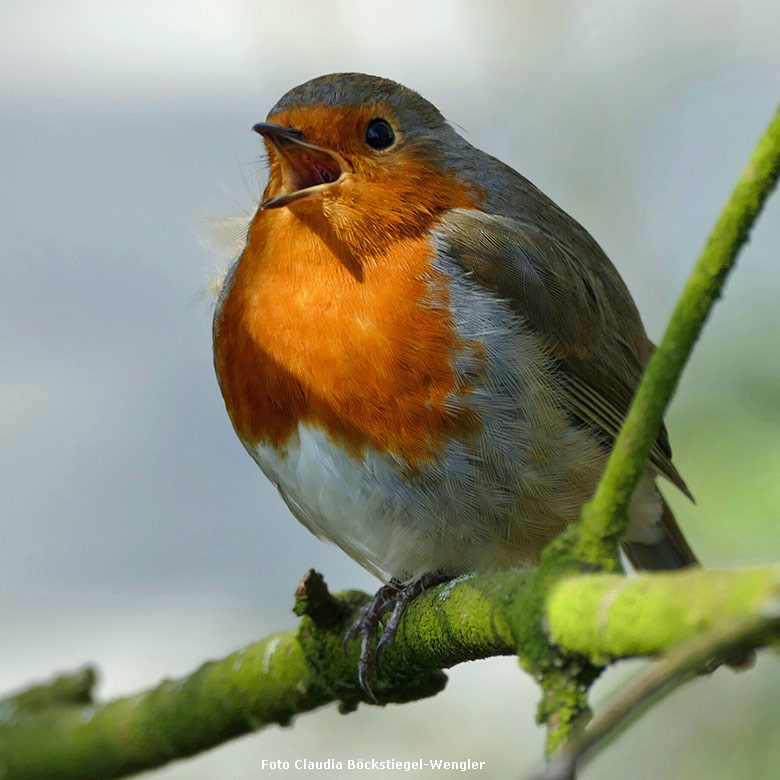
{"x": 45, "y": 733}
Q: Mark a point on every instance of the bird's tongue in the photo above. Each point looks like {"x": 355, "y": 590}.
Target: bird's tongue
{"x": 309, "y": 168}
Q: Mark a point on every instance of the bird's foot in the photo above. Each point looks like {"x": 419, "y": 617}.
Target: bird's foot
{"x": 395, "y": 596}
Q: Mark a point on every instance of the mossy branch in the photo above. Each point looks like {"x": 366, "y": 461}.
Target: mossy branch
{"x": 605, "y": 518}
{"x": 659, "y": 679}
{"x": 590, "y": 614}
{"x": 46, "y": 733}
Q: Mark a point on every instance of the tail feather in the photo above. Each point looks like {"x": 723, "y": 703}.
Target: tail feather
{"x": 671, "y": 552}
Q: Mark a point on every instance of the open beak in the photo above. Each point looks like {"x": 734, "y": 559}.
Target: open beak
{"x": 306, "y": 169}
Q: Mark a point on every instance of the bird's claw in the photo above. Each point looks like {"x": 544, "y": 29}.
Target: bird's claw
{"x": 367, "y": 625}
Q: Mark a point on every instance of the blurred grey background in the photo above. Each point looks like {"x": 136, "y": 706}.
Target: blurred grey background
{"x": 137, "y": 533}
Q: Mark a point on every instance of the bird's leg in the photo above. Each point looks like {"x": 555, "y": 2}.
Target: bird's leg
{"x": 366, "y": 626}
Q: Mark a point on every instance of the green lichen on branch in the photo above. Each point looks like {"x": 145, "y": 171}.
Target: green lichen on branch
{"x": 564, "y": 677}
{"x": 605, "y": 518}
{"x": 264, "y": 683}
{"x": 608, "y": 616}
{"x": 723, "y": 638}
{"x": 66, "y": 736}
{"x": 69, "y": 737}
{"x": 67, "y": 689}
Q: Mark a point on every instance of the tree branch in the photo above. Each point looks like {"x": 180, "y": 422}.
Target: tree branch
{"x": 605, "y": 518}
{"x": 265, "y": 683}
{"x": 610, "y": 616}
{"x": 45, "y": 734}
{"x": 681, "y": 663}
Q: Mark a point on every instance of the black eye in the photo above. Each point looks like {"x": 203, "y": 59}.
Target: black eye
{"x": 379, "y": 134}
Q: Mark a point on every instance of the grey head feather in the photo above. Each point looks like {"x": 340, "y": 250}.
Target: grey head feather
{"x": 337, "y": 90}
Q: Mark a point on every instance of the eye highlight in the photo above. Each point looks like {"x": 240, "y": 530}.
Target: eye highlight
{"x": 379, "y": 134}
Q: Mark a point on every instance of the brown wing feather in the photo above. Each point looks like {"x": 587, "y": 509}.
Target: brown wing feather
{"x": 577, "y": 300}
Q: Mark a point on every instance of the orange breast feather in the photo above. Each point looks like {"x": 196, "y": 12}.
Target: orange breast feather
{"x": 364, "y": 352}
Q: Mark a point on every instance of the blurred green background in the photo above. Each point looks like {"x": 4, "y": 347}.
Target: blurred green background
{"x": 137, "y": 534}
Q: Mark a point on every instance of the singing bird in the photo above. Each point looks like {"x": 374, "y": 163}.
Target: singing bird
{"x": 427, "y": 356}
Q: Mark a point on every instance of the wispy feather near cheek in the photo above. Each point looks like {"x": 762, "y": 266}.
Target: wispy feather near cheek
{"x": 225, "y": 237}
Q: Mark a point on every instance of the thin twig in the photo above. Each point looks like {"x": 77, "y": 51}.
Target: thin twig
{"x": 656, "y": 682}
{"x": 605, "y": 518}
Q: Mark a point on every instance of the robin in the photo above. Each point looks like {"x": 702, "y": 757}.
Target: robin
{"x": 426, "y": 355}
